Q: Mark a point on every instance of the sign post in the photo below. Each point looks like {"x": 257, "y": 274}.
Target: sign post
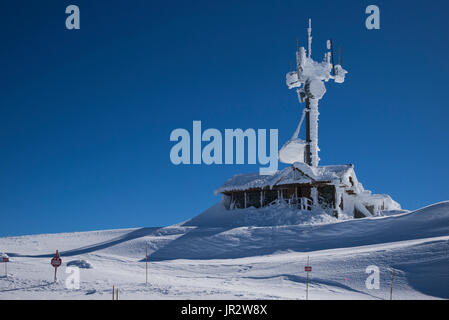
{"x": 114, "y": 293}
{"x": 56, "y": 262}
{"x": 391, "y": 287}
{"x": 307, "y": 269}
{"x": 5, "y": 260}
{"x": 146, "y": 265}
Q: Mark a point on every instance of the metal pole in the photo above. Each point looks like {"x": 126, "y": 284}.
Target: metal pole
{"x": 332, "y": 56}
{"x": 307, "y": 281}
{"x": 313, "y": 131}
{"x": 113, "y": 291}
{"x": 146, "y": 265}
{"x": 309, "y": 38}
{"x": 55, "y": 273}
{"x": 308, "y": 155}
{"x": 391, "y": 287}
{"x": 307, "y": 287}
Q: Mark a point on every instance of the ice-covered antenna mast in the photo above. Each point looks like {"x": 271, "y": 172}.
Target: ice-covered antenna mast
{"x": 309, "y": 78}
{"x": 309, "y": 39}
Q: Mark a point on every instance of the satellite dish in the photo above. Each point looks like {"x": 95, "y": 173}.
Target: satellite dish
{"x": 315, "y": 89}
{"x": 292, "y": 151}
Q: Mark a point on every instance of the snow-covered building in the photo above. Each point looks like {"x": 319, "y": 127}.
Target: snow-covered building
{"x": 306, "y": 185}
{"x": 333, "y": 189}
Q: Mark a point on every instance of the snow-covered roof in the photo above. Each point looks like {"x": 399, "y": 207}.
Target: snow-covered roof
{"x": 296, "y": 173}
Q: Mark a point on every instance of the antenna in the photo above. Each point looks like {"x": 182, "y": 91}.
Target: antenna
{"x": 297, "y": 54}
{"x": 339, "y": 55}
{"x": 309, "y": 79}
{"x": 332, "y": 55}
{"x": 340, "y": 58}
{"x": 309, "y": 39}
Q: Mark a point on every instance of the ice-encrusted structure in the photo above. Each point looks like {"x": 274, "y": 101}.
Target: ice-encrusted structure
{"x": 333, "y": 189}
{"x": 304, "y": 185}
{"x": 308, "y": 79}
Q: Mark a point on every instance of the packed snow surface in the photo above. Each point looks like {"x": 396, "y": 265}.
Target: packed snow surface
{"x": 241, "y": 256}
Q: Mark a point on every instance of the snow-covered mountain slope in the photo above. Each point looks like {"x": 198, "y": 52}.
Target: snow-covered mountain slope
{"x": 221, "y": 254}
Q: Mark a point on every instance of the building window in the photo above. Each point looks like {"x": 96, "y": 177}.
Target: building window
{"x": 351, "y": 181}
{"x": 253, "y": 199}
{"x": 326, "y": 196}
{"x": 238, "y": 199}
{"x": 288, "y": 194}
{"x": 269, "y": 197}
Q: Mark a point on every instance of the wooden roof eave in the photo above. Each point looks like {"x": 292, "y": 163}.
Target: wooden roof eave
{"x": 308, "y": 184}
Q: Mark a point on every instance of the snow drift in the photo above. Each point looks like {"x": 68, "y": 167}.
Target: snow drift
{"x": 222, "y": 255}
{"x": 210, "y": 241}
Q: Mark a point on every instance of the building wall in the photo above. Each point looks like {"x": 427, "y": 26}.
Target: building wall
{"x": 290, "y": 193}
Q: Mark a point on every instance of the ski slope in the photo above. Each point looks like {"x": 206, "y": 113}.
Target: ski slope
{"x": 220, "y": 255}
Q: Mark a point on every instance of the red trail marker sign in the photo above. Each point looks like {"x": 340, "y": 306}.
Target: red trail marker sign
{"x": 56, "y": 261}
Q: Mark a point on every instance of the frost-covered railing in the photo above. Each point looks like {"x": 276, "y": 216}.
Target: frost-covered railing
{"x": 293, "y": 201}
{"x": 301, "y": 203}
{"x": 305, "y": 204}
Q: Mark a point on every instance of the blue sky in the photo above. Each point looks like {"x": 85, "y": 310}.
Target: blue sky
{"x": 86, "y": 115}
